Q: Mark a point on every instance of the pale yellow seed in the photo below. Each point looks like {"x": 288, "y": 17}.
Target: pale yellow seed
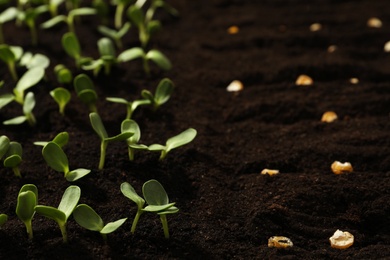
{"x": 340, "y": 168}
{"x": 329, "y": 117}
{"x": 387, "y": 47}
{"x": 354, "y": 81}
{"x": 315, "y": 27}
{"x": 304, "y": 80}
{"x": 269, "y": 172}
{"x": 233, "y": 29}
{"x": 374, "y": 22}
{"x": 235, "y": 86}
{"x": 341, "y": 240}
{"x": 332, "y": 48}
{"x": 280, "y": 242}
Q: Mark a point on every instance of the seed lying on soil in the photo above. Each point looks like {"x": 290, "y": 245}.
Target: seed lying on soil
{"x": 235, "y": 86}
{"x": 374, "y": 22}
{"x": 339, "y": 168}
{"x": 329, "y": 117}
{"x": 269, "y": 172}
{"x": 354, "y": 80}
{"x": 233, "y": 29}
{"x": 315, "y": 27}
{"x": 341, "y": 240}
{"x": 304, "y": 80}
{"x": 280, "y": 242}
{"x": 387, "y": 46}
{"x": 332, "y": 48}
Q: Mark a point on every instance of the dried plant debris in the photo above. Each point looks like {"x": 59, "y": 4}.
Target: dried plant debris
{"x": 233, "y": 29}
{"x": 304, "y": 80}
{"x": 269, "y": 172}
{"x": 340, "y": 168}
{"x": 279, "y": 242}
{"x": 341, "y": 240}
{"x": 332, "y": 48}
{"x": 235, "y": 86}
{"x": 386, "y": 48}
{"x": 374, "y": 22}
{"x": 354, "y": 81}
{"x": 329, "y": 117}
{"x": 315, "y": 27}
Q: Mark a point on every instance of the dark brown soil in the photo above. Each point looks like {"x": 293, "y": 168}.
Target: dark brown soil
{"x": 227, "y": 208}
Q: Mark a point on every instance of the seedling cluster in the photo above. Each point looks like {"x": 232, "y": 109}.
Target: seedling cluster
{"x": 27, "y": 72}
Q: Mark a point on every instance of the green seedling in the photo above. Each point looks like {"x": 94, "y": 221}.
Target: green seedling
{"x": 62, "y": 97}
{"x": 129, "y": 192}
{"x": 156, "y": 4}
{"x": 69, "y": 200}
{"x": 69, "y": 19}
{"x": 56, "y": 158}
{"x": 120, "y": 8}
{"x": 3, "y": 219}
{"x": 87, "y": 217}
{"x": 64, "y": 75}
{"x": 107, "y": 57}
{"x": 7, "y": 15}
{"x": 154, "y": 55}
{"x": 129, "y": 125}
{"x": 6, "y": 99}
{"x": 53, "y": 6}
{"x": 29, "y": 79}
{"x": 71, "y": 45}
{"x": 85, "y": 90}
{"x": 13, "y": 157}
{"x": 100, "y": 130}
{"x": 60, "y": 139}
{"x": 33, "y": 61}
{"x": 28, "y": 106}
{"x": 25, "y": 208}
{"x": 158, "y": 202}
{"x": 114, "y": 34}
{"x": 181, "y": 139}
{"x": 4, "y": 145}
{"x": 146, "y": 28}
{"x": 29, "y": 17}
{"x": 162, "y": 94}
{"x": 10, "y": 55}
{"x": 130, "y": 106}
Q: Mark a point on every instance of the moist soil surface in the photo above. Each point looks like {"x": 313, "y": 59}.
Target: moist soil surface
{"x": 228, "y": 210}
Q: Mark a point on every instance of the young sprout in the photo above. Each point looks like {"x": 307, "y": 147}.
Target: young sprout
{"x": 13, "y": 157}
{"x": 99, "y": 128}
{"x": 69, "y": 200}
{"x": 86, "y": 91}
{"x": 154, "y": 55}
{"x": 29, "y": 16}
{"x": 28, "y": 106}
{"x": 87, "y": 217}
{"x": 69, "y": 19}
{"x": 131, "y": 106}
{"x": 129, "y": 192}
{"x": 7, "y": 15}
{"x": 56, "y": 158}
{"x": 32, "y": 61}
{"x": 181, "y": 139}
{"x": 29, "y": 79}
{"x": 158, "y": 202}
{"x": 11, "y": 54}
{"x": 129, "y": 125}
{"x": 106, "y": 60}
{"x": 53, "y": 6}
{"x": 25, "y": 208}
{"x": 120, "y": 8}
{"x": 3, "y": 219}
{"x": 115, "y": 35}
{"x": 71, "y": 45}
{"x": 62, "y": 97}
{"x": 64, "y": 75}
{"x": 162, "y": 95}
{"x": 61, "y": 139}
{"x": 156, "y": 4}
{"x": 146, "y": 28}
{"x": 4, "y": 145}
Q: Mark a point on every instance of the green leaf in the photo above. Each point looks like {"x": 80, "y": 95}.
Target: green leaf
{"x": 129, "y": 192}
{"x": 154, "y": 193}
{"x": 51, "y": 213}
{"x": 64, "y": 75}
{"x": 153, "y": 26}
{"x": 88, "y": 96}
{"x": 76, "y": 174}
{"x": 6, "y": 54}
{"x": 82, "y": 11}
{"x": 157, "y": 208}
{"x": 29, "y": 79}
{"x": 156, "y": 147}
{"x": 54, "y": 21}
{"x": 6, "y": 99}
{"x": 97, "y": 125}
{"x": 38, "y": 60}
{"x": 55, "y": 157}
{"x": 148, "y": 95}
{"x": 112, "y": 226}
{"x": 61, "y": 96}
{"x": 25, "y": 206}
{"x": 160, "y": 59}
{"x": 136, "y": 15}
{"x": 61, "y": 139}
{"x": 163, "y": 91}
{"x": 69, "y": 200}
{"x": 181, "y": 139}
{"x": 3, "y": 219}
{"x": 71, "y": 45}
{"x": 32, "y": 188}
{"x": 29, "y": 103}
{"x": 171, "y": 210}
{"x": 129, "y": 125}
{"x": 4, "y": 145}
{"x": 83, "y": 82}
{"x": 13, "y": 156}
{"x": 106, "y": 47}
{"x": 131, "y": 54}
{"x": 15, "y": 121}
{"x": 117, "y": 100}
{"x": 17, "y": 51}
{"x": 86, "y": 217}
{"x": 8, "y": 14}
{"x": 119, "y": 137}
